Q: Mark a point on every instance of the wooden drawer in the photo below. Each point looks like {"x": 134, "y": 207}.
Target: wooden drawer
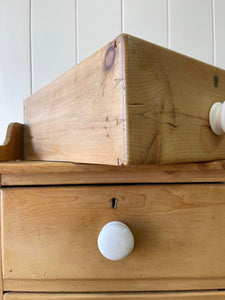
{"x": 49, "y": 237}
{"x": 132, "y": 102}
{"x": 114, "y": 296}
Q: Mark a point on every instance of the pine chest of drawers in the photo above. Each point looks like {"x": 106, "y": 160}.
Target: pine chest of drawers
{"x": 52, "y": 213}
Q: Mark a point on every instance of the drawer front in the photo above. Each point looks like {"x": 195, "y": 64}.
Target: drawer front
{"x": 114, "y": 296}
{"x": 50, "y": 234}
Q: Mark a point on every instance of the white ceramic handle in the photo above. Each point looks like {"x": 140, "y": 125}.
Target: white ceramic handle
{"x": 217, "y": 118}
{"x": 115, "y": 241}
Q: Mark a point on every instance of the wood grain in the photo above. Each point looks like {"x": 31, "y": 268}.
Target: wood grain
{"x": 79, "y": 116}
{"x": 169, "y": 96}
{"x": 12, "y": 148}
{"x": 52, "y": 173}
{"x": 50, "y": 238}
{"x": 212, "y": 295}
{"x": 131, "y": 103}
{"x": 105, "y": 285}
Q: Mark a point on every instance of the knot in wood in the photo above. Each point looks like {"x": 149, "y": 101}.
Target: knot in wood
{"x": 109, "y": 58}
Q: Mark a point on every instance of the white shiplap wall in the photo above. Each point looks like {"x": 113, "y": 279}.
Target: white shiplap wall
{"x": 98, "y": 22}
{"x": 191, "y": 28}
{"x": 41, "y": 39}
{"x": 15, "y": 76}
{"x": 53, "y": 39}
{"x": 147, "y": 19}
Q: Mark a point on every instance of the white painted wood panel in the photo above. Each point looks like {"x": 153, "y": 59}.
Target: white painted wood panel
{"x": 146, "y": 19}
{"x": 219, "y": 29}
{"x": 14, "y": 61}
{"x": 98, "y": 22}
{"x": 52, "y": 39}
{"x": 191, "y": 28}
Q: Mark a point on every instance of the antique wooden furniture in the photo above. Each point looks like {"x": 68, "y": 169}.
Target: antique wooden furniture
{"x": 132, "y": 102}
{"x": 12, "y": 148}
{"x": 52, "y": 213}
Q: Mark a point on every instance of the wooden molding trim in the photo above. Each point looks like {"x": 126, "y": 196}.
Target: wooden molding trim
{"x": 12, "y": 148}
{"x": 209, "y": 295}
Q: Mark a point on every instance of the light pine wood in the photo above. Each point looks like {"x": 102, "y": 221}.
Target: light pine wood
{"x": 168, "y": 100}
{"x": 52, "y": 173}
{"x": 211, "y": 295}
{"x": 106, "y": 285}
{"x": 12, "y": 148}
{"x": 50, "y": 238}
{"x": 132, "y": 102}
{"x": 79, "y": 116}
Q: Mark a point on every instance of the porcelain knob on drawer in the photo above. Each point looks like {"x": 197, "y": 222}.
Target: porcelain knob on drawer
{"x": 217, "y": 118}
{"x": 115, "y": 241}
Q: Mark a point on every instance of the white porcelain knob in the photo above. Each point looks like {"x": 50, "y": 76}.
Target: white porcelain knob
{"x": 217, "y": 118}
{"x": 115, "y": 241}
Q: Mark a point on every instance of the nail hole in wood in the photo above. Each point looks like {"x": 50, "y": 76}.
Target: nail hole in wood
{"x": 215, "y": 81}
{"x": 114, "y": 203}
